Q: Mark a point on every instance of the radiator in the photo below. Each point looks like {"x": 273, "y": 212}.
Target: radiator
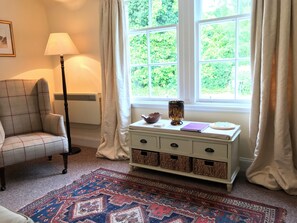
{"x": 83, "y": 108}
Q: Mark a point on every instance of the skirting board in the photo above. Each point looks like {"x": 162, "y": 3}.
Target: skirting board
{"x": 244, "y": 163}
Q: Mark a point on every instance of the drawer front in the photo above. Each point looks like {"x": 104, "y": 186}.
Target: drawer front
{"x": 210, "y": 150}
{"x": 142, "y": 141}
{"x": 176, "y": 146}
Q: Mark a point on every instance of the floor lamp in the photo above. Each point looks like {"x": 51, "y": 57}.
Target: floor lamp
{"x": 61, "y": 44}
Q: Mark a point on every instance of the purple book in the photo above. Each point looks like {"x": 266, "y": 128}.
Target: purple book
{"x": 195, "y": 127}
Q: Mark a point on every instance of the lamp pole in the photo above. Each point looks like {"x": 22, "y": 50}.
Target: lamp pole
{"x": 72, "y": 150}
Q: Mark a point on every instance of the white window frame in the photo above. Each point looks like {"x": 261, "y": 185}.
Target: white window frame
{"x": 187, "y": 69}
{"x": 147, "y": 31}
{"x": 236, "y": 19}
{"x": 149, "y": 64}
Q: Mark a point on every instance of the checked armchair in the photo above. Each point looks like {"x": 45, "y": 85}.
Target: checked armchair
{"x": 28, "y": 129}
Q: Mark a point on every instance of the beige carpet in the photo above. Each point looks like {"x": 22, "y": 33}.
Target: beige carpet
{"x": 29, "y": 181}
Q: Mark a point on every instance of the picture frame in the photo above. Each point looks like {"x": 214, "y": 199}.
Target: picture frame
{"x": 7, "y": 47}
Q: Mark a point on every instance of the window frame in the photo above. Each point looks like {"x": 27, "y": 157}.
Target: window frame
{"x": 149, "y": 64}
{"x": 236, "y": 59}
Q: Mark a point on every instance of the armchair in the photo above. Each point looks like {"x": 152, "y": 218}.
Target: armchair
{"x": 28, "y": 129}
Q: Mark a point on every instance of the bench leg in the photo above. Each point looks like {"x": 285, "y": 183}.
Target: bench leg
{"x": 65, "y": 160}
{"x": 2, "y": 177}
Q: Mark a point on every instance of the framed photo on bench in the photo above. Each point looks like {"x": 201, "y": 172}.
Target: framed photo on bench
{"x": 7, "y": 48}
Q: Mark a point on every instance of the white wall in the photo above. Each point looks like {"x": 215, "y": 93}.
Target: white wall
{"x": 30, "y": 28}
{"x": 80, "y": 19}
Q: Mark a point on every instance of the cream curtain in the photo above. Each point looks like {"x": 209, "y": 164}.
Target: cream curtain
{"x": 273, "y": 122}
{"x": 116, "y": 109}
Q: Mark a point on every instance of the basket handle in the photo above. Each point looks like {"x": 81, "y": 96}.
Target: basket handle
{"x": 208, "y": 162}
{"x": 143, "y": 153}
{"x": 174, "y": 157}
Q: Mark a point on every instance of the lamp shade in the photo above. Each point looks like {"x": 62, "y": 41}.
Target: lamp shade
{"x": 60, "y": 44}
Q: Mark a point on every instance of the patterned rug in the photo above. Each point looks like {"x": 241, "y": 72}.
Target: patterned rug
{"x": 114, "y": 197}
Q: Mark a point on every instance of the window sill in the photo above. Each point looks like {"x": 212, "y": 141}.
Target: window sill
{"x": 203, "y": 107}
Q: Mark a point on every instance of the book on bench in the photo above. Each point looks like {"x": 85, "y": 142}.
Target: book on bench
{"x": 195, "y": 127}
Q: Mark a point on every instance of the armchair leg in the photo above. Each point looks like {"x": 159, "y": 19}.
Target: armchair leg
{"x": 2, "y": 177}
{"x": 65, "y": 160}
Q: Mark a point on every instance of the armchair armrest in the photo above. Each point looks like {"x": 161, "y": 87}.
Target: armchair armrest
{"x": 54, "y": 124}
{"x": 2, "y": 135}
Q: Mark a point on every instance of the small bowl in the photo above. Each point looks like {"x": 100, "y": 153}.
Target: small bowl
{"x": 152, "y": 117}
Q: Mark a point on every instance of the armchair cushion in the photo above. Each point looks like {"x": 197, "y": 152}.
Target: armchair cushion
{"x": 31, "y": 146}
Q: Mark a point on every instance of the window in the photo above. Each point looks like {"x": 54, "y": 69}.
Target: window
{"x": 195, "y": 50}
{"x": 153, "y": 48}
{"x": 224, "y": 50}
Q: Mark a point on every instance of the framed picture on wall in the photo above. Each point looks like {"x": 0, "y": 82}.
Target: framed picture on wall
{"x": 7, "y": 48}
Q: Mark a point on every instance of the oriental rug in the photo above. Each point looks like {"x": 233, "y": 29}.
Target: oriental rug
{"x": 114, "y": 197}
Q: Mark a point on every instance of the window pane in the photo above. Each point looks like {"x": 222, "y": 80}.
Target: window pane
{"x": 163, "y": 46}
{"x": 244, "y": 80}
{"x": 164, "y": 12}
{"x": 244, "y": 6}
{"x": 138, "y": 49}
{"x": 217, "y": 40}
{"x": 164, "y": 81}
{"x": 244, "y": 38}
{"x": 138, "y": 12}
{"x": 140, "y": 81}
{"x": 216, "y": 80}
{"x": 218, "y": 8}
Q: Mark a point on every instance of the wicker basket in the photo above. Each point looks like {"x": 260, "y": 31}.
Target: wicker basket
{"x": 176, "y": 162}
{"x": 210, "y": 168}
{"x": 145, "y": 157}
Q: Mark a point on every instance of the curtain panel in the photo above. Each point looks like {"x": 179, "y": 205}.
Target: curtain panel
{"x": 116, "y": 108}
{"x": 273, "y": 121}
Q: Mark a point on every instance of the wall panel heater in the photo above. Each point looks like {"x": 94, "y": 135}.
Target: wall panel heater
{"x": 83, "y": 108}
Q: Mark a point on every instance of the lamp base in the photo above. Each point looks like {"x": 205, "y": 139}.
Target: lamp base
{"x": 74, "y": 150}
